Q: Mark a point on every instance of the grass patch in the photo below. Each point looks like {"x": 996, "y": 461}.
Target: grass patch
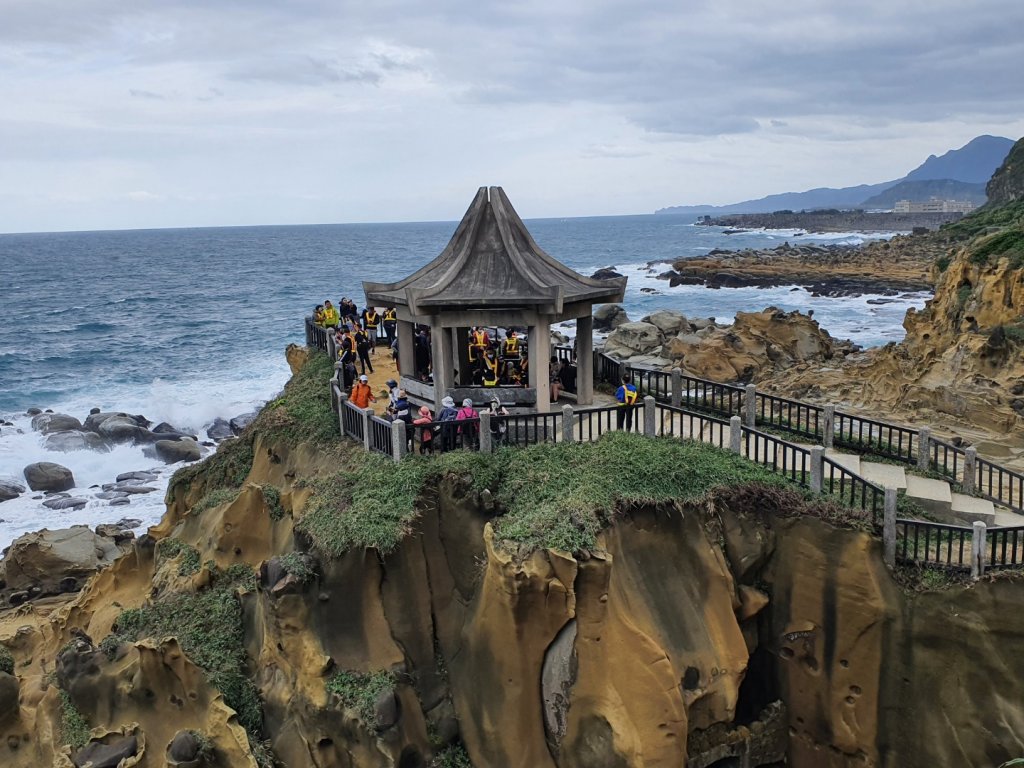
{"x": 6, "y": 661}
{"x": 915, "y": 577}
{"x": 302, "y": 413}
{"x": 208, "y": 625}
{"x": 225, "y": 470}
{"x": 272, "y": 496}
{"x": 1015, "y": 332}
{"x": 963, "y": 293}
{"x": 74, "y": 730}
{"x": 360, "y": 692}
{"x": 942, "y": 263}
{"x": 452, "y": 757}
{"x": 171, "y": 548}
{"x": 299, "y": 566}
{"x": 1009, "y": 243}
{"x": 215, "y": 499}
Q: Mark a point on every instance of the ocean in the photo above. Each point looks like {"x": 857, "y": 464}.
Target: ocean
{"x": 186, "y": 325}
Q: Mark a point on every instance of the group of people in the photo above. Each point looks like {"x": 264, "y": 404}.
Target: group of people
{"x": 447, "y": 430}
{"x": 357, "y": 334}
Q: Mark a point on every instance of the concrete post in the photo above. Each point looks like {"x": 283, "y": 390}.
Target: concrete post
{"x": 817, "y": 468}
{"x": 970, "y": 470}
{"x": 539, "y": 354}
{"x": 485, "y": 432}
{"x": 568, "y": 431}
{"x": 585, "y": 360}
{"x": 828, "y": 427}
{"x": 978, "y": 537}
{"x": 924, "y": 449}
{"x": 342, "y": 400}
{"x": 736, "y": 434}
{"x": 332, "y": 350}
{"x": 889, "y": 528}
{"x": 677, "y": 388}
{"x": 441, "y": 353}
{"x": 750, "y": 405}
{"x": 398, "y": 439}
{"x": 650, "y": 406}
{"x": 335, "y": 386}
{"x": 406, "y": 349}
{"x": 366, "y": 413}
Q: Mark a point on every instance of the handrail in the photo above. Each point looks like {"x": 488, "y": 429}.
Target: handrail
{"x": 860, "y": 434}
{"x": 1000, "y": 484}
{"x": 793, "y": 416}
{"x": 852, "y": 488}
{"x": 380, "y": 435}
{"x": 941, "y": 544}
{"x": 693, "y": 426}
{"x": 782, "y": 457}
{"x": 1006, "y": 547}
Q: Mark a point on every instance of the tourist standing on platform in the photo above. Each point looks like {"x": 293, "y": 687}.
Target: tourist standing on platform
{"x": 447, "y": 416}
{"x": 330, "y": 315}
{"x": 468, "y": 430}
{"x": 346, "y": 358}
{"x": 555, "y": 378}
{"x": 318, "y": 314}
{"x": 363, "y": 348}
{"x": 499, "y": 426}
{"x": 626, "y": 396}
{"x": 370, "y": 322}
{"x": 362, "y": 395}
{"x": 510, "y": 347}
{"x": 490, "y": 368}
{"x": 425, "y": 423}
{"x": 390, "y": 322}
{"x": 422, "y": 355}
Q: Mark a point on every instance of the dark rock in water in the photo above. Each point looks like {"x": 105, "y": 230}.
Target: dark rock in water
{"x": 93, "y": 411}
{"x": 54, "y": 422}
{"x": 69, "y": 503}
{"x": 128, "y": 522}
{"x": 173, "y": 451}
{"x": 167, "y": 432}
{"x": 107, "y": 495}
{"x": 75, "y": 440}
{"x": 33, "y": 411}
{"x": 605, "y": 273}
{"x": 141, "y": 476}
{"x": 609, "y": 316}
{"x": 93, "y": 420}
{"x": 47, "y": 476}
{"x": 219, "y": 430}
{"x": 99, "y": 755}
{"x": 120, "y": 502}
{"x": 17, "y": 598}
{"x": 10, "y": 488}
{"x": 242, "y": 421}
{"x": 123, "y": 429}
{"x": 133, "y": 489}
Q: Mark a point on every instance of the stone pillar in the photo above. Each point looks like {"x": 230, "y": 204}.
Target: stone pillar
{"x": 750, "y": 405}
{"x": 828, "y": 427}
{"x": 736, "y": 434}
{"x": 677, "y": 388}
{"x": 342, "y": 405}
{"x": 406, "y": 349}
{"x": 970, "y": 470}
{"x": 441, "y": 342}
{"x": 398, "y": 439}
{"x": 978, "y": 537}
{"x": 817, "y": 468}
{"x": 485, "y": 431}
{"x": 540, "y": 354}
{"x": 585, "y": 360}
{"x": 889, "y": 528}
{"x": 332, "y": 350}
{"x": 924, "y": 449}
{"x": 650, "y": 416}
{"x": 568, "y": 431}
{"x": 465, "y": 365}
{"x": 366, "y": 413}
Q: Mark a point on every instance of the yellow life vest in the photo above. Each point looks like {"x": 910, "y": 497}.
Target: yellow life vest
{"x": 330, "y": 317}
{"x": 512, "y": 346}
{"x": 490, "y": 372}
{"x": 371, "y": 319}
{"x": 628, "y": 396}
{"x": 390, "y": 315}
{"x": 478, "y": 339}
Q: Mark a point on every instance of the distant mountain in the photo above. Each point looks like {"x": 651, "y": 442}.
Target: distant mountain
{"x": 973, "y": 163}
{"x": 921, "y": 190}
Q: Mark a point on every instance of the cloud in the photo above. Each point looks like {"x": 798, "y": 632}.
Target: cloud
{"x": 138, "y": 93}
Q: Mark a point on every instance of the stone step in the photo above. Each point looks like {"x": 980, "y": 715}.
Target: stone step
{"x": 849, "y": 461}
{"x": 972, "y": 509}
{"x": 1004, "y": 518}
{"x": 885, "y": 475}
{"x": 933, "y": 495}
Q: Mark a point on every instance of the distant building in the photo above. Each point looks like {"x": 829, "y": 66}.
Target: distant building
{"x": 934, "y": 205}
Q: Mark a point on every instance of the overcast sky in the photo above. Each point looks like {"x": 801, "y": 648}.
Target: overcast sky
{"x": 133, "y": 113}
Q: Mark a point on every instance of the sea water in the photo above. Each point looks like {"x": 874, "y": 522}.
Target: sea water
{"x": 187, "y": 325}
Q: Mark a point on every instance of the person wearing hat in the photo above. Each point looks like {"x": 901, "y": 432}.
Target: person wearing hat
{"x": 425, "y": 423}
{"x": 362, "y": 395}
{"x": 392, "y": 386}
{"x": 447, "y": 416}
{"x": 499, "y": 426}
{"x": 468, "y": 431}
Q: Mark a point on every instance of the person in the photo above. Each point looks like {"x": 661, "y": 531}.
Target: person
{"x": 447, "y": 416}
{"x": 422, "y": 355}
{"x": 318, "y": 314}
{"x": 395, "y": 357}
{"x": 362, "y": 395}
{"x": 346, "y": 359}
{"x": 468, "y": 431}
{"x": 626, "y": 396}
{"x": 393, "y": 391}
{"x": 489, "y": 369}
{"x": 349, "y": 313}
{"x": 425, "y": 424}
{"x": 330, "y": 315}
{"x": 478, "y": 342}
{"x": 510, "y": 348}
{"x": 555, "y": 378}
{"x": 499, "y": 426}
{"x": 401, "y": 408}
{"x": 390, "y": 323}
{"x": 370, "y": 322}
{"x": 363, "y": 348}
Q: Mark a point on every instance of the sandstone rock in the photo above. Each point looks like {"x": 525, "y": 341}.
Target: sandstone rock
{"x": 75, "y": 440}
{"x": 54, "y": 422}
{"x": 386, "y": 710}
{"x": 297, "y": 356}
{"x": 47, "y": 476}
{"x": 113, "y": 531}
{"x": 220, "y": 429}
{"x": 173, "y": 451}
{"x": 668, "y": 322}
{"x": 10, "y": 488}
{"x": 44, "y": 558}
{"x": 632, "y": 339}
{"x": 183, "y": 750}
{"x": 609, "y": 316}
{"x": 9, "y": 690}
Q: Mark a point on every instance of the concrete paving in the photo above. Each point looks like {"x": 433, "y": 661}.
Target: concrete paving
{"x": 933, "y": 495}
{"x": 885, "y": 475}
{"x": 971, "y": 509}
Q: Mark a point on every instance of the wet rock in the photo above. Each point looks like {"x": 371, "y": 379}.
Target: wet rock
{"x": 75, "y": 440}
{"x": 132, "y": 489}
{"x": 109, "y": 495}
{"x": 141, "y": 476}
{"x": 605, "y": 273}
{"x": 120, "y": 502}
{"x": 609, "y": 316}
{"x": 240, "y": 422}
{"x": 10, "y": 488}
{"x": 54, "y": 422}
{"x": 68, "y": 503}
{"x": 115, "y": 532}
{"x": 173, "y": 451}
{"x": 33, "y": 411}
{"x": 47, "y": 476}
{"x": 44, "y": 558}
{"x": 219, "y": 430}
{"x": 99, "y": 755}
{"x": 124, "y": 429}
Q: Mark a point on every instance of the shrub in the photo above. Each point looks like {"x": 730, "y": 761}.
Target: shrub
{"x": 1009, "y": 243}
{"x": 6, "y": 661}
{"x": 214, "y": 499}
{"x": 360, "y": 692}
{"x": 942, "y": 263}
{"x": 74, "y": 729}
{"x": 298, "y": 566}
{"x": 171, "y": 548}
{"x": 452, "y": 757}
{"x": 272, "y": 497}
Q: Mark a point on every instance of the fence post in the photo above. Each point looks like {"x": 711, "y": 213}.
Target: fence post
{"x": 332, "y": 351}
{"x": 736, "y": 434}
{"x": 333, "y": 385}
{"x": 889, "y": 528}
{"x": 567, "y": 424}
{"x": 367, "y": 436}
{"x": 924, "y": 449}
{"x": 970, "y": 469}
{"x": 828, "y": 427}
{"x": 978, "y": 550}
{"x": 649, "y": 413}
{"x": 677, "y": 388}
{"x": 485, "y": 431}
{"x": 817, "y": 468}
{"x": 398, "y": 440}
{"x": 342, "y": 400}
{"x": 750, "y": 405}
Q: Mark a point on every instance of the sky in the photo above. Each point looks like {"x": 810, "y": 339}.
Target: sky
{"x": 135, "y": 114}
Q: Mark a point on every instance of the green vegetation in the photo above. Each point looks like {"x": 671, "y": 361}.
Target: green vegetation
{"x": 963, "y": 293}
{"x": 272, "y": 497}
{"x": 74, "y": 730}
{"x": 171, "y": 548}
{"x": 1008, "y": 243}
{"x": 360, "y": 692}
{"x": 225, "y": 469}
{"x": 302, "y": 414}
{"x": 452, "y": 757}
{"x": 1015, "y": 332}
{"x": 6, "y": 661}
{"x": 942, "y": 263}
{"x": 298, "y": 566}
{"x": 208, "y": 625}
{"x": 916, "y": 577}
{"x": 214, "y": 499}
{"x": 979, "y": 221}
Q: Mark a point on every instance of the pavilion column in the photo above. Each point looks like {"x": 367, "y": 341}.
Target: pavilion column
{"x": 441, "y": 339}
{"x": 539, "y": 358}
{"x": 585, "y": 360}
{"x": 406, "y": 349}
{"x": 462, "y": 355}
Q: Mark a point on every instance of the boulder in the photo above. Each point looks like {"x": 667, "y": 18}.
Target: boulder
{"x": 65, "y": 503}
{"x": 631, "y": 339}
{"x": 240, "y": 422}
{"x": 184, "y": 750}
{"x": 96, "y": 754}
{"x": 33, "y": 411}
{"x": 668, "y": 322}
{"x": 219, "y": 430}
{"x": 605, "y": 273}
{"x": 44, "y": 558}
{"x": 47, "y": 476}
{"x": 173, "y": 451}
{"x": 609, "y": 316}
{"x": 75, "y": 440}
{"x": 10, "y": 488}
{"x": 94, "y": 419}
{"x": 124, "y": 429}
{"x": 54, "y": 422}
{"x": 141, "y": 476}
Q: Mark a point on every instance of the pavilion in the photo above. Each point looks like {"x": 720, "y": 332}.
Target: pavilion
{"x": 492, "y": 273}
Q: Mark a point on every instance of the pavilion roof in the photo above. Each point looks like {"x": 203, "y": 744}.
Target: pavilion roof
{"x": 492, "y": 262}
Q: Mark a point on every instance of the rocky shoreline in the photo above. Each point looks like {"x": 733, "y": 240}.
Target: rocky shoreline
{"x": 833, "y": 221}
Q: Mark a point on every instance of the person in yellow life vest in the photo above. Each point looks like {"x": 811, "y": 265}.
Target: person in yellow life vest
{"x": 330, "y": 315}
{"x": 318, "y": 314}
{"x": 478, "y": 342}
{"x": 390, "y": 321}
{"x": 490, "y": 368}
{"x": 626, "y": 395}
{"x": 370, "y": 322}
{"x": 510, "y": 349}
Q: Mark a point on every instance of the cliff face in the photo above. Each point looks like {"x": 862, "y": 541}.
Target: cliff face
{"x": 1007, "y": 183}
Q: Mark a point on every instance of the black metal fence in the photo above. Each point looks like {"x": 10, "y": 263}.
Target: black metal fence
{"x": 793, "y": 416}
{"x": 784, "y": 458}
{"x": 931, "y": 543}
{"x": 870, "y": 436}
{"x": 681, "y": 423}
{"x": 852, "y": 489}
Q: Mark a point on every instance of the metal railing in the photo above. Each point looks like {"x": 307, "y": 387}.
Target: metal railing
{"x": 687, "y": 425}
{"x": 947, "y": 459}
{"x": 564, "y": 353}
{"x": 525, "y": 429}
{"x": 793, "y": 416}
{"x": 1005, "y": 547}
{"x": 316, "y": 335}
{"x": 657, "y": 384}
{"x": 999, "y": 484}
{"x": 870, "y": 436}
{"x": 607, "y": 369}
{"x": 930, "y": 543}
{"x": 852, "y": 489}
{"x": 782, "y": 457}
{"x": 711, "y": 396}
